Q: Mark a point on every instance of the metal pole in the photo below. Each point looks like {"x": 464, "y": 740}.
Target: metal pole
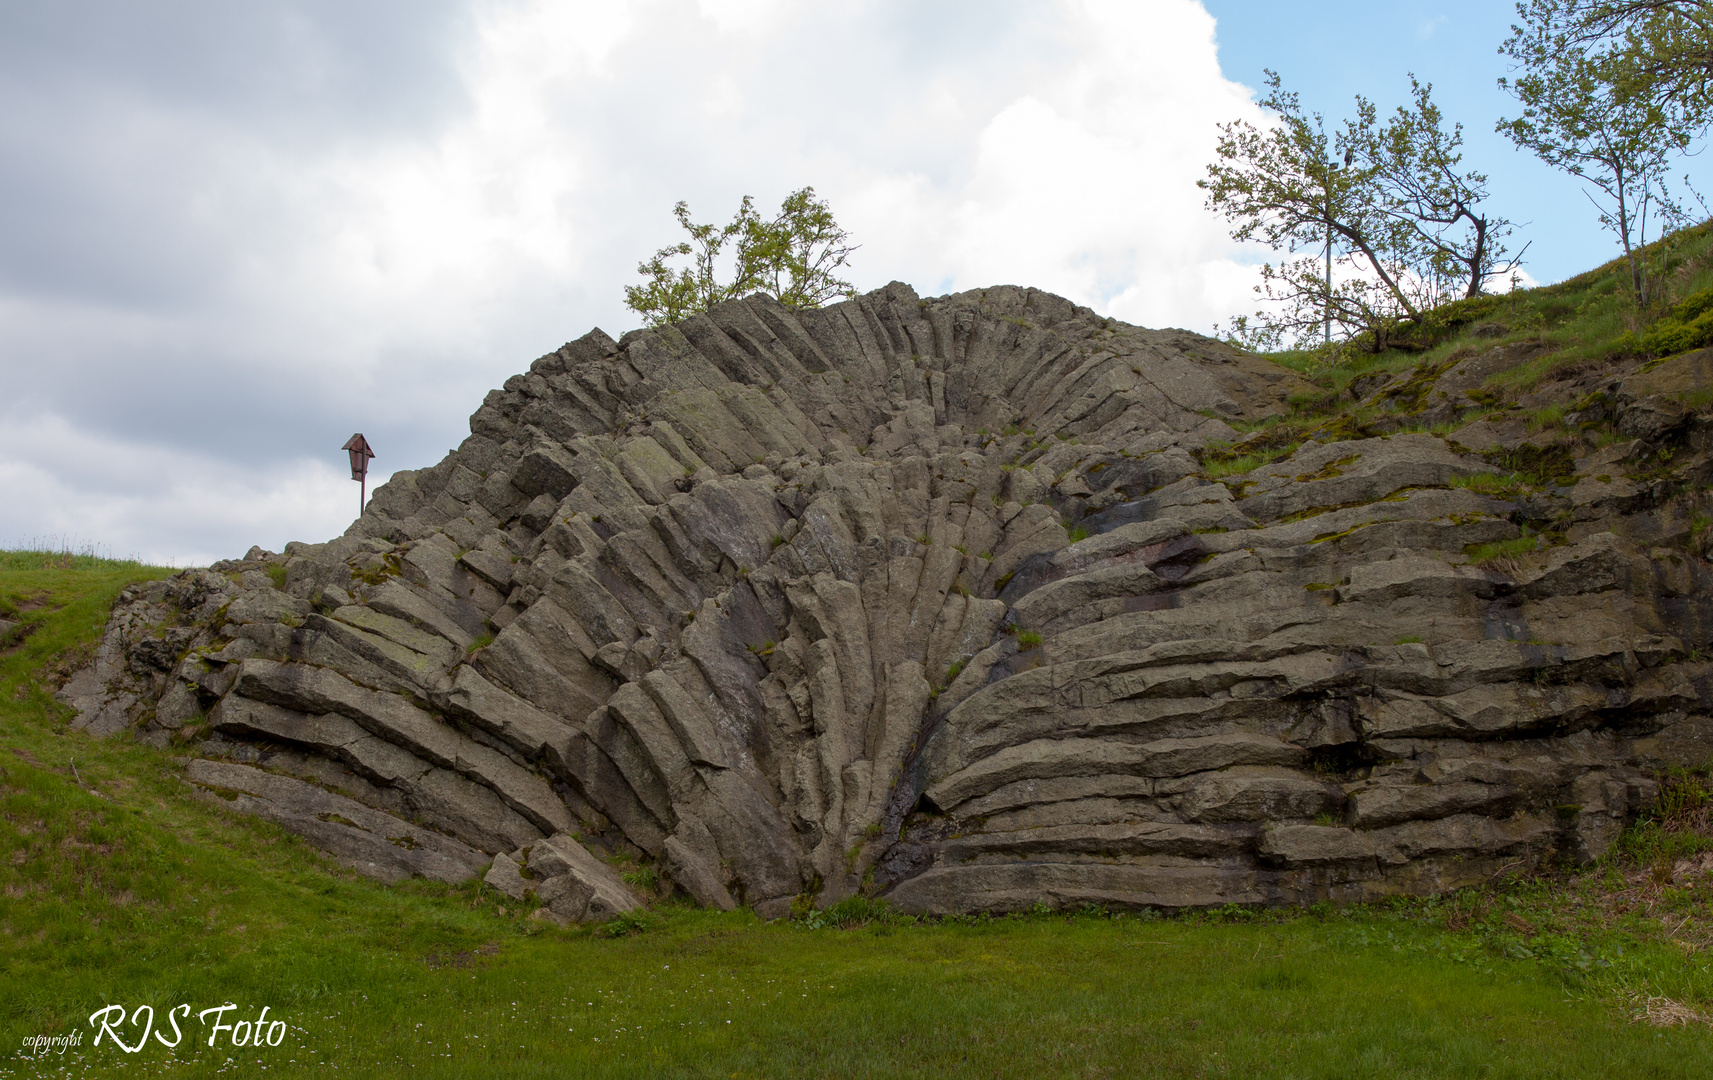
{"x": 362, "y": 493}
{"x": 1328, "y": 313}
{"x": 1327, "y": 310}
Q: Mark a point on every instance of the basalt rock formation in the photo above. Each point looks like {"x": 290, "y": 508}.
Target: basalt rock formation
{"x": 938, "y": 600}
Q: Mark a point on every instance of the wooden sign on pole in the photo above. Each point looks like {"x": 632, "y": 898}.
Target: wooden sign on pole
{"x": 358, "y": 447}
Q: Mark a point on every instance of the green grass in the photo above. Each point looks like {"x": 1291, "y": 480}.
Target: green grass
{"x": 1497, "y": 485}
{"x": 1243, "y": 463}
{"x": 1679, "y": 825}
{"x": 1502, "y": 549}
{"x": 117, "y": 886}
{"x": 1696, "y": 400}
{"x": 1587, "y": 323}
{"x": 46, "y": 558}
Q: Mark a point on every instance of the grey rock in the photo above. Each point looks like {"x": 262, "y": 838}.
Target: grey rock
{"x": 691, "y": 868}
{"x": 576, "y": 884}
{"x": 507, "y": 876}
{"x": 546, "y": 470}
{"x": 368, "y": 841}
{"x": 1686, "y": 743}
{"x": 1389, "y": 805}
{"x": 395, "y": 720}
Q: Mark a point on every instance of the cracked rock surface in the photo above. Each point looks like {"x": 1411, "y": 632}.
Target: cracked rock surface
{"x": 935, "y": 600}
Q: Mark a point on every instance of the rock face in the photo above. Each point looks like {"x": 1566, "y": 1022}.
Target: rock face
{"x": 936, "y": 599}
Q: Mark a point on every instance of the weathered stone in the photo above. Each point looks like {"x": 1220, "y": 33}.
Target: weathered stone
{"x": 368, "y": 841}
{"x": 1686, "y": 743}
{"x": 1233, "y": 798}
{"x": 439, "y": 797}
{"x": 1082, "y": 757}
{"x": 518, "y": 723}
{"x": 1389, "y": 805}
{"x": 317, "y": 690}
{"x": 692, "y": 869}
{"x": 546, "y": 470}
{"x": 266, "y": 605}
{"x": 506, "y": 876}
{"x": 588, "y": 891}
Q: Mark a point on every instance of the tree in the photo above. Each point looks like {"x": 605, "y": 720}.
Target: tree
{"x": 1398, "y": 219}
{"x": 1584, "y": 112}
{"x": 1656, "y": 49}
{"x": 1415, "y": 167}
{"x": 794, "y": 256}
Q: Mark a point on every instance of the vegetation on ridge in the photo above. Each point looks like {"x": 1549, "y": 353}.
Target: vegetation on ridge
{"x": 796, "y": 257}
{"x": 1550, "y": 340}
{"x": 1400, "y": 220}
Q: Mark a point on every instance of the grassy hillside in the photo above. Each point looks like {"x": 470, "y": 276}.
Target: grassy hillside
{"x": 119, "y": 887}
{"x": 1567, "y": 338}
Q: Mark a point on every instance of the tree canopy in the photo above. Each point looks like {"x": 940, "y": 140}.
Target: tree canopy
{"x": 795, "y": 256}
{"x": 1389, "y": 197}
{"x": 1661, "y": 50}
{"x": 1613, "y": 93}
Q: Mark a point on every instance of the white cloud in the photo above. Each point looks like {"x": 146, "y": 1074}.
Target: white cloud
{"x": 386, "y": 282}
{"x": 201, "y": 505}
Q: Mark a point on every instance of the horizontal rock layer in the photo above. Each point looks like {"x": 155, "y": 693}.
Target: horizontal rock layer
{"x": 931, "y": 599}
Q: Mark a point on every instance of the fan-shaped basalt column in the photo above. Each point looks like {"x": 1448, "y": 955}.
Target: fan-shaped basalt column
{"x": 922, "y": 597}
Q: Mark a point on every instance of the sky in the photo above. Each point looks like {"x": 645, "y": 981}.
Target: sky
{"x": 233, "y": 234}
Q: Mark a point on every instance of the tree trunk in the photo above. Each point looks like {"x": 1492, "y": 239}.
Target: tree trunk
{"x": 1477, "y": 260}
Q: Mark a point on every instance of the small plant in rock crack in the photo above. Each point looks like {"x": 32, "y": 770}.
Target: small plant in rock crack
{"x": 644, "y": 879}
{"x": 1028, "y": 639}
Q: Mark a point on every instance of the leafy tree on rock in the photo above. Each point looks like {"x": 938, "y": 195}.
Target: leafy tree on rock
{"x": 795, "y": 256}
{"x": 1401, "y": 219}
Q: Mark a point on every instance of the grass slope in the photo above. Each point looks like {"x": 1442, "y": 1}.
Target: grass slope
{"x": 119, "y": 887}
{"x": 1581, "y": 326}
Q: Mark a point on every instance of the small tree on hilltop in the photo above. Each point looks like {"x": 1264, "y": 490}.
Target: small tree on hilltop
{"x": 794, "y": 256}
{"x": 1385, "y": 202}
{"x": 1600, "y": 103}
